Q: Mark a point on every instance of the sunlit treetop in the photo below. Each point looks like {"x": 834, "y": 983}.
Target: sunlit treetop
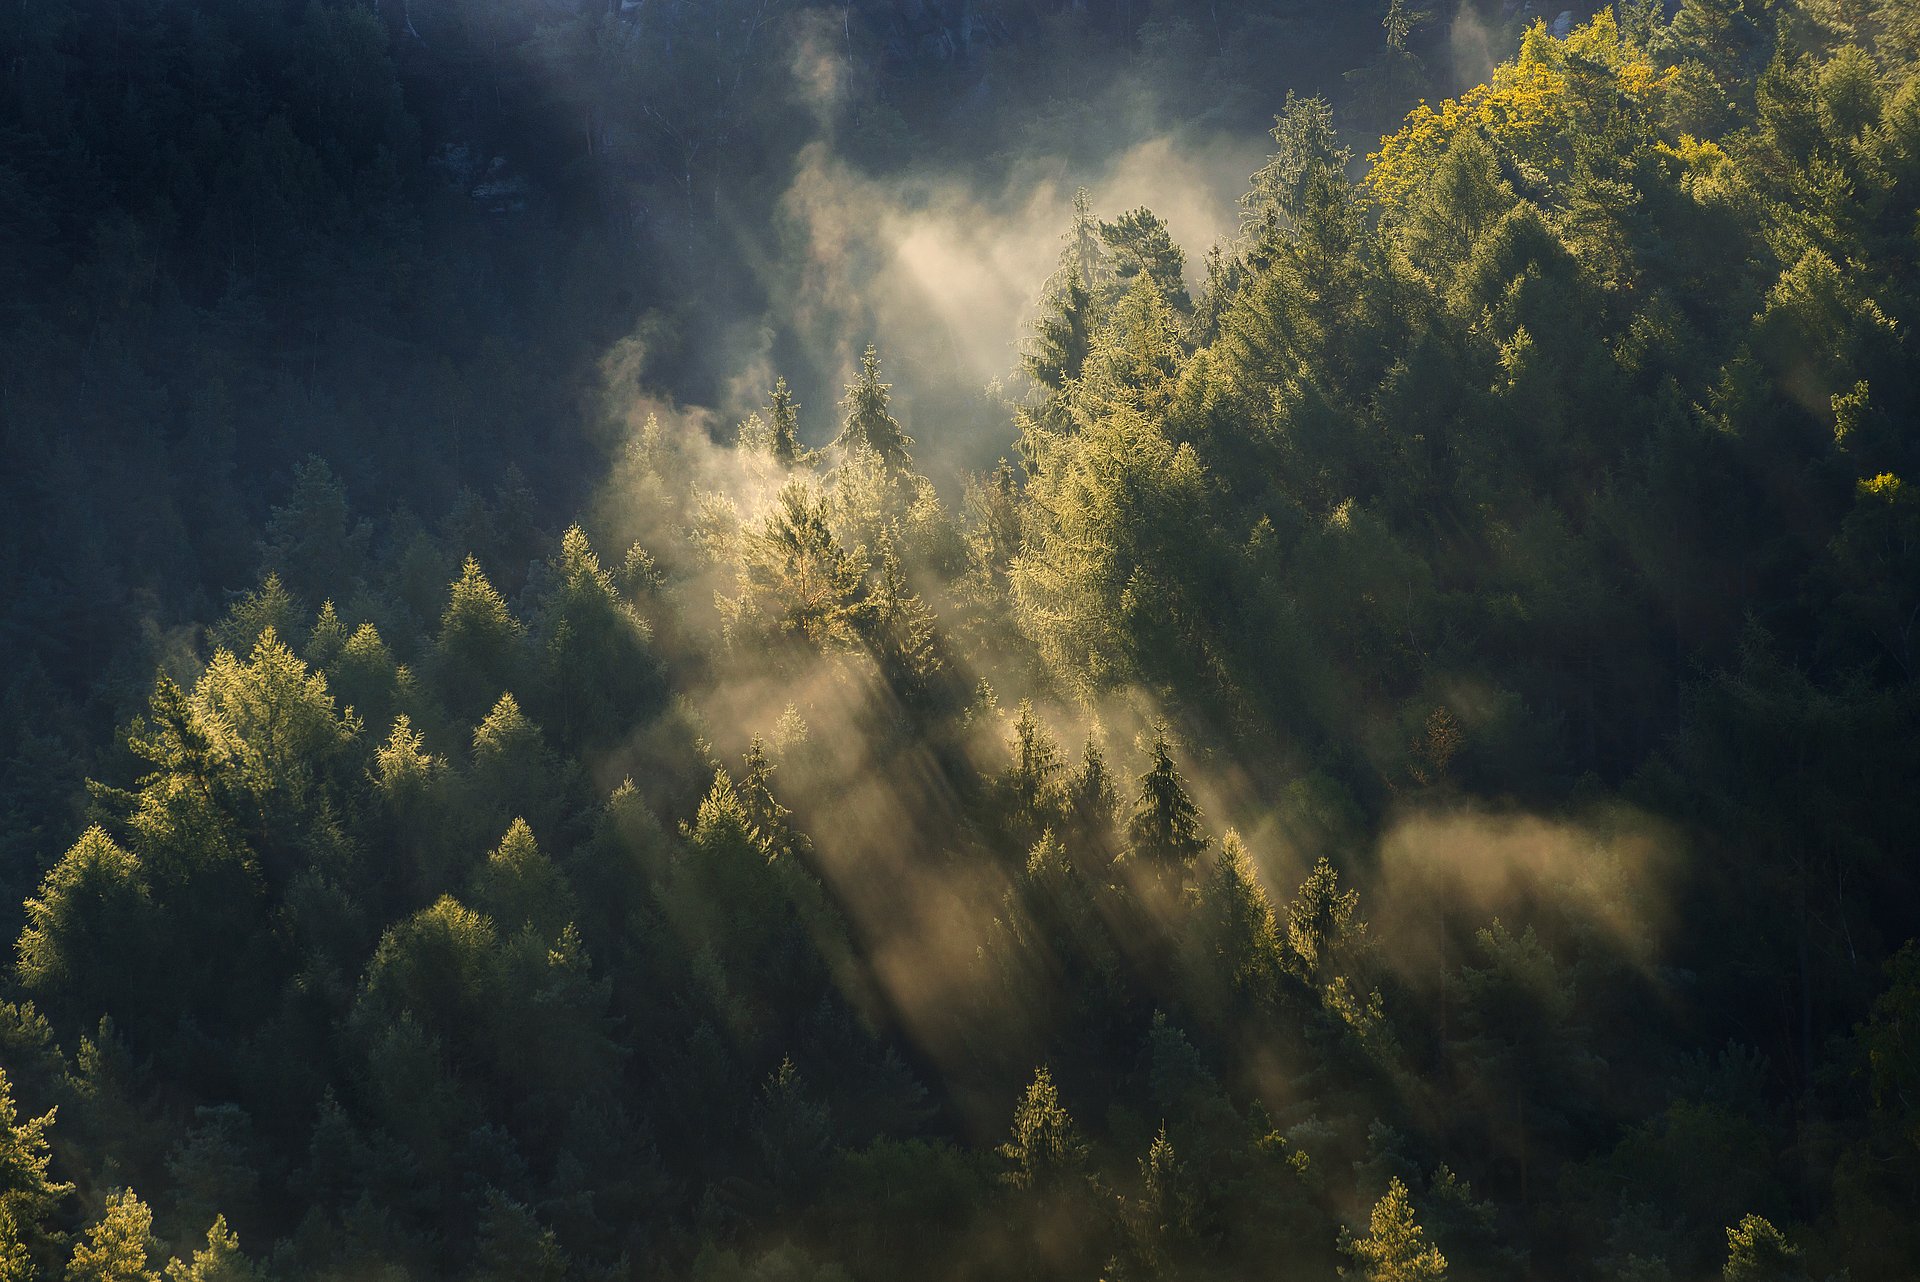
{"x": 1554, "y": 99}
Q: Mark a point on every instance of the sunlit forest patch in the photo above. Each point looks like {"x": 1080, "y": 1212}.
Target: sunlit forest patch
{"x": 782, "y": 641}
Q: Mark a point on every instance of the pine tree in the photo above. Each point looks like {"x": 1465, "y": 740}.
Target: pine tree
{"x": 1163, "y": 1222}
{"x": 899, "y": 630}
{"x": 1030, "y": 785}
{"x": 313, "y": 542}
{"x": 477, "y": 654}
{"x": 868, "y": 424}
{"x": 1063, "y": 333}
{"x": 1141, "y": 245}
{"x": 1306, "y": 147}
{"x": 1045, "y": 1150}
{"x": 219, "y": 1261}
{"x": 1395, "y": 1248}
{"x": 366, "y": 678}
{"x": 28, "y": 1198}
{"x": 1094, "y": 804}
{"x": 84, "y": 950}
{"x": 1758, "y": 1252}
{"x": 118, "y": 1246}
{"x": 519, "y": 887}
{"x": 1164, "y": 833}
{"x": 1323, "y": 922}
{"x": 514, "y": 1246}
{"x": 796, "y": 582}
{"x": 1236, "y": 927}
{"x": 1085, "y": 253}
{"x": 599, "y": 674}
{"x": 783, "y": 427}
{"x": 326, "y": 639}
{"x": 769, "y": 819}
{"x": 268, "y": 608}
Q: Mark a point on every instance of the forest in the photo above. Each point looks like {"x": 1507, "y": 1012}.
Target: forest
{"x": 802, "y": 641}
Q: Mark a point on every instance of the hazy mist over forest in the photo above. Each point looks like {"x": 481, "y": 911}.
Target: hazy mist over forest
{"x": 785, "y": 641}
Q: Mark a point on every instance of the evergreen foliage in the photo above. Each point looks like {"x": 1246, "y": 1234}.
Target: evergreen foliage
{"x": 1519, "y": 525}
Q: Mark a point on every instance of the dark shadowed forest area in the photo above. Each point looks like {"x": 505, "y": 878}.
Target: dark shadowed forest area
{"x": 785, "y": 641}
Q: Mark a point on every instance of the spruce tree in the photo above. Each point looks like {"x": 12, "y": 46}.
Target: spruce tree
{"x": 1164, "y": 833}
{"x": 118, "y": 1246}
{"x": 1045, "y": 1150}
{"x": 869, "y": 424}
{"x": 1395, "y": 1248}
{"x": 29, "y": 1198}
{"x": 219, "y": 1261}
{"x": 783, "y": 426}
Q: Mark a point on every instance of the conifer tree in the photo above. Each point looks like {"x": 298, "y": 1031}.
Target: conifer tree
{"x": 118, "y": 1246}
{"x": 783, "y": 427}
{"x": 899, "y": 630}
{"x": 1323, "y": 921}
{"x": 770, "y": 820}
{"x": 1062, "y": 334}
{"x": 1395, "y": 1248}
{"x": 220, "y": 1260}
{"x": 313, "y": 542}
{"x": 1030, "y": 784}
{"x": 514, "y": 1246}
{"x": 1236, "y": 926}
{"x": 1094, "y": 804}
{"x": 84, "y": 950}
{"x": 268, "y": 608}
{"x": 1085, "y": 253}
{"x": 796, "y": 582}
{"x": 326, "y": 639}
{"x": 29, "y": 1198}
{"x": 510, "y": 757}
{"x": 1164, "y": 832}
{"x": 869, "y": 424}
{"x": 1306, "y": 148}
{"x": 477, "y": 654}
{"x": 1758, "y": 1252}
{"x": 519, "y": 887}
{"x": 1045, "y": 1150}
{"x": 1140, "y": 245}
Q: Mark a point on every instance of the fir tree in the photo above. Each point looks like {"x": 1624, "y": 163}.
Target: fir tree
{"x": 1164, "y": 832}
{"x": 1395, "y": 1248}
{"x": 868, "y": 423}
{"x": 783, "y": 427}
{"x": 118, "y": 1246}
{"x": 1045, "y": 1150}
{"x": 220, "y": 1260}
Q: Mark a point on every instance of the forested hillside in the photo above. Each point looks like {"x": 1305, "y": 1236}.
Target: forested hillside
{"x": 1405, "y": 770}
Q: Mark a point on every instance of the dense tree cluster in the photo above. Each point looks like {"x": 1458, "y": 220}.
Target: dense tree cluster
{"x": 1404, "y": 773}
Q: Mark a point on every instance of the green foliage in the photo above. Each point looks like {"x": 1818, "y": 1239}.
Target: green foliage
{"x": 220, "y": 1260}
{"x": 1306, "y": 150}
{"x": 1236, "y": 928}
{"x": 868, "y": 424}
{"x": 1164, "y": 834}
{"x": 1045, "y": 1150}
{"x": 118, "y": 1245}
{"x": 29, "y": 1198}
{"x": 1395, "y": 1248}
{"x": 1514, "y": 527}
{"x": 1758, "y": 1252}
{"x": 476, "y": 655}
{"x": 797, "y": 584}
{"x": 81, "y": 951}
{"x": 1138, "y": 244}
{"x": 779, "y": 432}
{"x": 1323, "y": 923}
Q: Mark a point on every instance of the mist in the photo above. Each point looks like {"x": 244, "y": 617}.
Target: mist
{"x": 732, "y": 640}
